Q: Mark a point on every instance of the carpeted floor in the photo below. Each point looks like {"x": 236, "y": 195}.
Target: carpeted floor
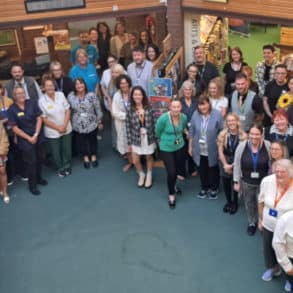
{"x": 95, "y": 231}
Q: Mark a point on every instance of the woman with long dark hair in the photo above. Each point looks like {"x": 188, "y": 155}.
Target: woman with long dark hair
{"x": 103, "y": 43}
{"x": 140, "y": 128}
{"x": 86, "y": 120}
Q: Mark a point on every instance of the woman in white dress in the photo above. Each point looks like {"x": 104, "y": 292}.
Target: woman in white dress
{"x": 120, "y": 106}
{"x": 216, "y": 96}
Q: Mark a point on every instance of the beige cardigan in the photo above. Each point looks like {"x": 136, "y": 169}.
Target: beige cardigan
{"x": 4, "y": 143}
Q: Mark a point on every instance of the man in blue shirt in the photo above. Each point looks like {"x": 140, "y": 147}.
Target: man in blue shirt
{"x": 91, "y": 51}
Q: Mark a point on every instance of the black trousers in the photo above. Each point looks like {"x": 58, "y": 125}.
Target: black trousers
{"x": 191, "y": 167}
{"x": 33, "y": 160}
{"x": 87, "y": 143}
{"x": 175, "y": 165}
{"x": 209, "y": 176}
{"x": 231, "y": 194}
{"x": 268, "y": 250}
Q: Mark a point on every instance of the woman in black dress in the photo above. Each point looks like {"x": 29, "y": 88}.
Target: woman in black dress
{"x": 104, "y": 37}
{"x": 231, "y": 69}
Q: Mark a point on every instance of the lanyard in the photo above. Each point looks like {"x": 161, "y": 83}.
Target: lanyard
{"x": 202, "y": 71}
{"x": 125, "y": 104}
{"x": 277, "y": 137}
{"x": 232, "y": 142}
{"x": 254, "y": 157}
{"x": 138, "y": 74}
{"x": 174, "y": 128}
{"x": 59, "y": 89}
{"x": 278, "y": 198}
{"x": 204, "y": 125}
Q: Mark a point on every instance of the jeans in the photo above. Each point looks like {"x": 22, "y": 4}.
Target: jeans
{"x": 231, "y": 195}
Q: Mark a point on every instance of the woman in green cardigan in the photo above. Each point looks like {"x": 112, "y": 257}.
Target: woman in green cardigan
{"x": 169, "y": 130}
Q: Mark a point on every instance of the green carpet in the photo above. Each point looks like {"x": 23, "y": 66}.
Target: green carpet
{"x": 95, "y": 231}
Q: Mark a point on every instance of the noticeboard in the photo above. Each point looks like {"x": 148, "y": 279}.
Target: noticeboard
{"x": 34, "y": 6}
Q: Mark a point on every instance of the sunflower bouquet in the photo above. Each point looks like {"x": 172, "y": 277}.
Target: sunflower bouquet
{"x": 285, "y": 101}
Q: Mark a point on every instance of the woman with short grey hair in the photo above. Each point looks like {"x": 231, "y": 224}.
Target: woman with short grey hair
{"x": 274, "y": 200}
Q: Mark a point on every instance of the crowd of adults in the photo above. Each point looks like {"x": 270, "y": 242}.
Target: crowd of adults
{"x": 230, "y": 130}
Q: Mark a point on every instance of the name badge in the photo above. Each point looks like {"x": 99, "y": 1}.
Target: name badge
{"x": 50, "y": 107}
{"x": 254, "y": 175}
{"x": 202, "y": 141}
{"x": 188, "y": 124}
{"x": 19, "y": 114}
{"x": 273, "y": 213}
{"x": 242, "y": 117}
{"x": 83, "y": 114}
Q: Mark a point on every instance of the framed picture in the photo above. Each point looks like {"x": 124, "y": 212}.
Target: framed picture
{"x": 160, "y": 91}
{"x": 41, "y": 45}
{"x": 34, "y": 6}
{"x": 7, "y": 38}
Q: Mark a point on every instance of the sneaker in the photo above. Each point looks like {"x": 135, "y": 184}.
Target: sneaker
{"x": 202, "y": 194}
{"x": 251, "y": 229}
{"x": 22, "y": 178}
{"x": 213, "y": 194}
{"x": 6, "y": 199}
{"x": 68, "y": 171}
{"x": 61, "y": 174}
{"x": 267, "y": 275}
{"x": 288, "y": 286}
{"x": 10, "y": 183}
{"x": 141, "y": 179}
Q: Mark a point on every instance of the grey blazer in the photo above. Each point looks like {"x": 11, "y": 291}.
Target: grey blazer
{"x": 215, "y": 125}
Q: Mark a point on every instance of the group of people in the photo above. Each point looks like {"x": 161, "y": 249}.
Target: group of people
{"x": 227, "y": 129}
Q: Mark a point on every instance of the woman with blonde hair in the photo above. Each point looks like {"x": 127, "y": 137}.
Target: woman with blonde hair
{"x": 228, "y": 141}
{"x": 216, "y": 95}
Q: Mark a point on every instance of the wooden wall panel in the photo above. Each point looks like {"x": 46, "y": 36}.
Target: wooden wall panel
{"x": 264, "y": 9}
{"x": 13, "y": 11}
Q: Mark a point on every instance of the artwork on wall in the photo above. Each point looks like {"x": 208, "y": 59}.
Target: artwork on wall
{"x": 7, "y": 38}
{"x": 41, "y": 45}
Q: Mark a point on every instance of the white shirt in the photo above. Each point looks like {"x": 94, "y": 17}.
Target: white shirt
{"x": 267, "y": 195}
{"x": 55, "y": 111}
{"x": 283, "y": 241}
{"x": 219, "y": 104}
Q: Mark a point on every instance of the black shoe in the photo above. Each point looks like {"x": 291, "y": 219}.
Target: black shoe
{"x": 42, "y": 182}
{"x": 172, "y": 204}
{"x": 233, "y": 209}
{"x": 34, "y": 191}
{"x": 95, "y": 164}
{"x": 251, "y": 229}
{"x": 227, "y": 208}
{"x": 86, "y": 165}
{"x": 178, "y": 191}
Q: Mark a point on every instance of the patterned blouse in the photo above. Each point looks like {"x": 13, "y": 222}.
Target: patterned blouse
{"x": 85, "y": 113}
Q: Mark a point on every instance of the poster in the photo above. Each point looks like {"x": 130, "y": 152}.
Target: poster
{"x": 160, "y": 91}
{"x": 41, "y": 45}
{"x": 61, "y": 40}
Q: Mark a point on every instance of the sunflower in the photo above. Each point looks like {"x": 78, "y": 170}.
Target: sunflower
{"x": 285, "y": 101}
